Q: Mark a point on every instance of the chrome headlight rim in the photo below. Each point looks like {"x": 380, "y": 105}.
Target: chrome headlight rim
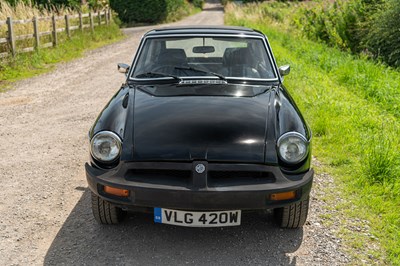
{"x": 109, "y": 134}
{"x": 295, "y": 134}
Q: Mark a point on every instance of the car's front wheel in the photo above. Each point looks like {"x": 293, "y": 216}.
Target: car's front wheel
{"x": 106, "y": 213}
{"x": 292, "y": 216}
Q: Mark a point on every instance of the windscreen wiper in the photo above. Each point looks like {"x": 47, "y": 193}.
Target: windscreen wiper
{"x": 157, "y": 75}
{"x": 202, "y": 71}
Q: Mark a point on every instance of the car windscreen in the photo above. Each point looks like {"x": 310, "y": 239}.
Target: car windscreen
{"x": 231, "y": 57}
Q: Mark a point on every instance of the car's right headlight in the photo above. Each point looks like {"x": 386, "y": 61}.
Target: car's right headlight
{"x": 292, "y": 147}
{"x": 105, "y": 146}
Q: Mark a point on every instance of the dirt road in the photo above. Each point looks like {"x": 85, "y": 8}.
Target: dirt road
{"x": 45, "y": 215}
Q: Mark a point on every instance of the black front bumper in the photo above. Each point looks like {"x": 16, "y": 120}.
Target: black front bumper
{"x": 179, "y": 186}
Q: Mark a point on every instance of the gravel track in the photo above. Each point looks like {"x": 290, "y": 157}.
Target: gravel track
{"x": 45, "y": 215}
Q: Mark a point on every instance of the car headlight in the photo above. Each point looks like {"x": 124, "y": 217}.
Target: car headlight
{"x": 105, "y": 146}
{"x": 292, "y": 147}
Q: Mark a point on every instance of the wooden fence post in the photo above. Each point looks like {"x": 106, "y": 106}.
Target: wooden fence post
{"x": 11, "y": 38}
{"x": 91, "y": 21}
{"x": 67, "y": 26}
{"x": 53, "y": 19}
{"x": 106, "y": 17}
{"x": 36, "y": 33}
{"x": 80, "y": 21}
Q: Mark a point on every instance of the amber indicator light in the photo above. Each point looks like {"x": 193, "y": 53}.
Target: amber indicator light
{"x": 283, "y": 195}
{"x": 116, "y": 191}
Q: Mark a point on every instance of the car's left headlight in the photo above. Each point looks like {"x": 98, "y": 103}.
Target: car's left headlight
{"x": 105, "y": 146}
{"x": 292, "y": 147}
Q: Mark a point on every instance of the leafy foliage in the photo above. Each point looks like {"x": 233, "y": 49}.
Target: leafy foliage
{"x": 383, "y": 38}
{"x": 334, "y": 24}
{"x": 197, "y": 3}
{"x": 369, "y": 27}
{"x": 225, "y": 2}
{"x": 135, "y": 11}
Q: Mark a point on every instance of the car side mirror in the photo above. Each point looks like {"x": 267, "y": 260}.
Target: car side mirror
{"x": 284, "y": 70}
{"x": 123, "y": 68}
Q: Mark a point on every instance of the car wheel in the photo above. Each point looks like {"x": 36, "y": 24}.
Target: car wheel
{"x": 106, "y": 213}
{"x": 292, "y": 216}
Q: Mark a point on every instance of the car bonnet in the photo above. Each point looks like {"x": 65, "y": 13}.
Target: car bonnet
{"x": 200, "y": 124}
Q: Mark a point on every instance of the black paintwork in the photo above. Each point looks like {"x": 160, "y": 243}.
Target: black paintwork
{"x": 212, "y": 128}
{"x": 166, "y": 125}
{"x": 185, "y": 123}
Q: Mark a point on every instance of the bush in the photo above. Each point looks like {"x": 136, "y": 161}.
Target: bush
{"x": 134, "y": 11}
{"x": 224, "y": 2}
{"x": 383, "y": 38}
{"x": 361, "y": 26}
{"x": 337, "y": 24}
{"x": 198, "y": 3}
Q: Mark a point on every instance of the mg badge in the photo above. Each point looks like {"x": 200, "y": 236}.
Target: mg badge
{"x": 200, "y": 168}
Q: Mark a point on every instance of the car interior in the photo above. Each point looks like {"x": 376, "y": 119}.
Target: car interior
{"x": 246, "y": 60}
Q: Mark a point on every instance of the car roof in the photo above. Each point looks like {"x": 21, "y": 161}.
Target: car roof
{"x": 204, "y": 30}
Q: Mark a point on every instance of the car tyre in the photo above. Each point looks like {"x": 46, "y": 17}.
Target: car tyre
{"x": 292, "y": 216}
{"x": 106, "y": 213}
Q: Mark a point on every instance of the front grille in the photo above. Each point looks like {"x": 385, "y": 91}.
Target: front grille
{"x": 235, "y": 178}
{"x": 159, "y": 176}
{"x": 185, "y": 175}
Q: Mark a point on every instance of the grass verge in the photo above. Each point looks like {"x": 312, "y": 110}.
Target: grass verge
{"x": 187, "y": 10}
{"x": 353, "y": 107}
{"x": 30, "y": 64}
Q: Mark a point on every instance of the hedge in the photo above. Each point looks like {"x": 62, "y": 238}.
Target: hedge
{"x": 370, "y": 27}
{"x": 134, "y": 11}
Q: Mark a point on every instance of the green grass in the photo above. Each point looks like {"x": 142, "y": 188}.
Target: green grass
{"x": 26, "y": 65}
{"x": 187, "y": 10}
{"x": 353, "y": 107}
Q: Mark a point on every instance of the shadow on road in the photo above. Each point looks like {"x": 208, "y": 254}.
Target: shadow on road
{"x": 139, "y": 241}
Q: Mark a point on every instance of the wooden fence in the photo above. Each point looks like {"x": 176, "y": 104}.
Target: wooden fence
{"x": 103, "y": 17}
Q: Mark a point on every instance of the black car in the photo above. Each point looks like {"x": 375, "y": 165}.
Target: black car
{"x": 202, "y": 130}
